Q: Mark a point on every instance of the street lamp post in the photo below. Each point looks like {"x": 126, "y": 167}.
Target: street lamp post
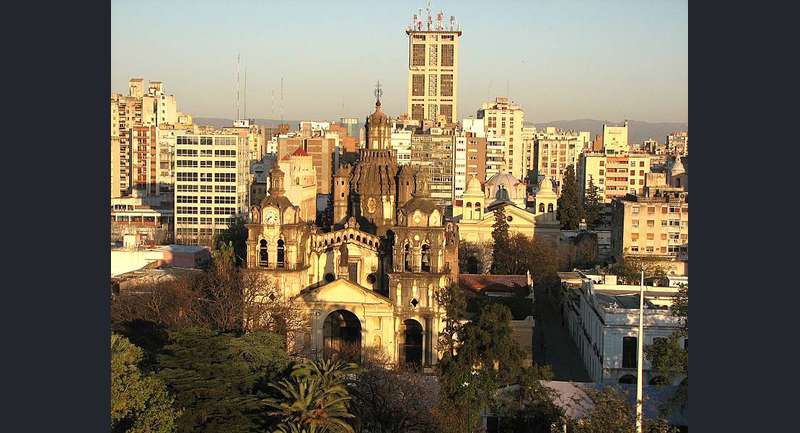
{"x": 639, "y": 358}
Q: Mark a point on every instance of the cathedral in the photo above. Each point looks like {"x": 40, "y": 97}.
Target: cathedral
{"x": 368, "y": 280}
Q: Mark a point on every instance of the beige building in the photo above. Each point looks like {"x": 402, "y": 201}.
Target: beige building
{"x": 615, "y": 139}
{"x": 554, "y": 151}
{"x": 433, "y": 69}
{"x": 503, "y": 119}
{"x": 300, "y": 182}
{"x": 613, "y": 175}
{"x": 212, "y": 184}
{"x": 432, "y": 151}
{"x": 678, "y": 143}
{"x": 653, "y": 226}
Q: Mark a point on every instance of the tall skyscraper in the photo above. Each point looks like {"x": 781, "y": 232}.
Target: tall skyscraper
{"x": 433, "y": 67}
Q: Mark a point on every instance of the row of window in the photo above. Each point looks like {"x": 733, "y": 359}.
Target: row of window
{"x": 672, "y": 249}
{"x": 207, "y": 188}
{"x": 205, "y": 210}
{"x": 206, "y": 177}
{"x": 195, "y": 220}
{"x": 206, "y": 141}
{"x": 206, "y": 199}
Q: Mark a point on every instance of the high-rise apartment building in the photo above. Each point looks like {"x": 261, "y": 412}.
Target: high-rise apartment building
{"x": 141, "y": 108}
{"x": 432, "y": 152}
{"x": 401, "y": 143}
{"x": 615, "y": 139}
{"x": 433, "y": 68}
{"x": 613, "y": 175}
{"x": 212, "y": 184}
{"x": 503, "y": 118}
{"x": 554, "y": 151}
{"x": 144, "y": 159}
{"x": 115, "y": 157}
{"x": 469, "y": 157}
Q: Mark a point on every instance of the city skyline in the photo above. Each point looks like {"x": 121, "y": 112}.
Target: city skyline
{"x": 572, "y": 62}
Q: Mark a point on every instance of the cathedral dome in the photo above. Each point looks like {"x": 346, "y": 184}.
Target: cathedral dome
{"x": 505, "y": 181}
{"x": 677, "y": 167}
{"x": 378, "y": 117}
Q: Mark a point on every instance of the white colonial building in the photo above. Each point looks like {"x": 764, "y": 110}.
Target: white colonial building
{"x": 603, "y": 321}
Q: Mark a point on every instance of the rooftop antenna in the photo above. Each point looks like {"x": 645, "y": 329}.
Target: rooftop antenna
{"x": 378, "y": 91}
{"x": 245, "y": 92}
{"x": 237, "y": 86}
{"x": 430, "y": 19}
{"x": 272, "y": 107}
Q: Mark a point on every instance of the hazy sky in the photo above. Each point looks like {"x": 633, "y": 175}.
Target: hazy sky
{"x": 560, "y": 59}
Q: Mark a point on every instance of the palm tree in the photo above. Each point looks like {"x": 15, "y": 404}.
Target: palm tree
{"x": 314, "y": 400}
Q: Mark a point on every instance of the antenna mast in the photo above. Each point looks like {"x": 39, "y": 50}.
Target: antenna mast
{"x": 245, "y": 92}
{"x": 237, "y": 86}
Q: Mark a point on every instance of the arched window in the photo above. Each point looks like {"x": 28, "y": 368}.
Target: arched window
{"x": 426, "y": 258}
{"x": 478, "y": 210}
{"x": 541, "y": 207}
{"x": 469, "y": 204}
{"x": 281, "y": 254}
{"x": 407, "y": 259}
{"x": 549, "y": 207}
{"x": 263, "y": 253}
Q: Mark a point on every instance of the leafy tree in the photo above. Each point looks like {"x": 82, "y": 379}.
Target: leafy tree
{"x": 629, "y": 269}
{"x": 668, "y": 357}
{"x": 570, "y": 203}
{"x": 592, "y": 207}
{"x": 612, "y": 412}
{"x": 140, "y": 403}
{"x": 474, "y": 258}
{"x": 220, "y": 378}
{"x": 501, "y": 251}
{"x": 314, "y": 398}
{"x": 487, "y": 358}
{"x": 392, "y": 400}
{"x": 531, "y": 407}
{"x": 452, "y": 300}
{"x": 236, "y": 236}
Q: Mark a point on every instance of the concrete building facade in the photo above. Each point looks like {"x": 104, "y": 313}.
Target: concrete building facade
{"x": 503, "y": 119}
{"x": 613, "y": 175}
{"x": 432, "y": 69}
{"x": 212, "y": 185}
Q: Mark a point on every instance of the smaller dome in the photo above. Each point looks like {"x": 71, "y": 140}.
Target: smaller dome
{"x": 546, "y": 186}
{"x": 473, "y": 186}
{"x": 677, "y": 167}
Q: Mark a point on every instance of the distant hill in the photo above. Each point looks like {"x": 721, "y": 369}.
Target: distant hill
{"x": 218, "y": 122}
{"x": 638, "y": 131}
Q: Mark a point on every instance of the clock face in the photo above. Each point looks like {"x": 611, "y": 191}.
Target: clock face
{"x": 371, "y": 206}
{"x": 270, "y": 217}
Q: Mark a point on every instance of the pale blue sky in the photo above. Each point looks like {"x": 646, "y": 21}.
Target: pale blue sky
{"x": 562, "y": 59}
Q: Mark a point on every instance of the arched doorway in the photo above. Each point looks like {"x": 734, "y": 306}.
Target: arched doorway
{"x": 341, "y": 336}
{"x": 412, "y": 343}
{"x": 628, "y": 378}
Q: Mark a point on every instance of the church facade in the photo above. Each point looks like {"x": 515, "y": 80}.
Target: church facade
{"x": 368, "y": 281}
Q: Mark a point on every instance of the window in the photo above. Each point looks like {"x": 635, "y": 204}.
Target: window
{"x": 447, "y": 54}
{"x": 650, "y": 236}
{"x": 224, "y": 177}
{"x": 263, "y": 253}
{"x": 225, "y": 152}
{"x": 447, "y": 84}
{"x": 635, "y": 210}
{"x": 418, "y": 55}
{"x": 634, "y": 249}
{"x": 407, "y": 259}
{"x": 186, "y": 163}
{"x": 634, "y": 223}
{"x": 629, "y": 352}
{"x": 651, "y": 223}
{"x": 205, "y": 188}
{"x": 187, "y": 210}
{"x": 426, "y": 258}
{"x": 418, "y": 85}
{"x": 205, "y": 199}
{"x": 224, "y": 200}
{"x": 187, "y": 177}
{"x": 225, "y": 164}
{"x": 281, "y": 254}
{"x": 187, "y": 152}
{"x": 549, "y": 207}
{"x": 634, "y": 236}
{"x": 205, "y": 164}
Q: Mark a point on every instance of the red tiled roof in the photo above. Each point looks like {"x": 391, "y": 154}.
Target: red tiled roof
{"x": 300, "y": 152}
{"x": 492, "y": 283}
